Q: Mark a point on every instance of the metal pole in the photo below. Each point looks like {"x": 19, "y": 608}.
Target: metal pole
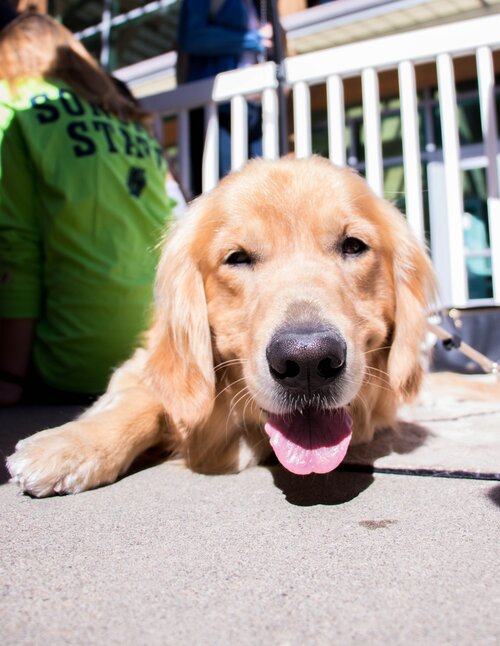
{"x": 279, "y": 58}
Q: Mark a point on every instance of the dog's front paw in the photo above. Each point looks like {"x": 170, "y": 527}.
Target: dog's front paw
{"x": 59, "y": 460}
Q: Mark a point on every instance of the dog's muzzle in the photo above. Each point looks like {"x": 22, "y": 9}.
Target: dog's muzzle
{"x": 312, "y": 433}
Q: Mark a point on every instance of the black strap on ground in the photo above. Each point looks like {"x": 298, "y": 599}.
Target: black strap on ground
{"x": 425, "y": 473}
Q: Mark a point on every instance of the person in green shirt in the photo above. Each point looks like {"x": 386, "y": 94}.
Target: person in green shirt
{"x": 83, "y": 207}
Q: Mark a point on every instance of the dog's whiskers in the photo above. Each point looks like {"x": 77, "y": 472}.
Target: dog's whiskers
{"x": 383, "y": 377}
{"x": 378, "y": 382}
{"x": 229, "y": 362}
{"x": 236, "y": 398}
{"x": 370, "y": 369}
{"x": 384, "y": 347}
{"x": 230, "y": 385}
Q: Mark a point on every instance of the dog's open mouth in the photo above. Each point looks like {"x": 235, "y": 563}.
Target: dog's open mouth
{"x": 310, "y": 441}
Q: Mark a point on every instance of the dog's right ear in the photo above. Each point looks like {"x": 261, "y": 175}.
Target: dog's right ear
{"x": 180, "y": 362}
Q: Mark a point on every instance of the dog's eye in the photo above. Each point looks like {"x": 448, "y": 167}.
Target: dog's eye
{"x": 353, "y": 247}
{"x": 240, "y": 257}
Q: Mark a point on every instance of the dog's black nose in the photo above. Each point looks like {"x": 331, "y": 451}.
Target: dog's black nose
{"x": 304, "y": 359}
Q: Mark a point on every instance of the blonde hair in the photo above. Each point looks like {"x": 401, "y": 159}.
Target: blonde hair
{"x": 35, "y": 45}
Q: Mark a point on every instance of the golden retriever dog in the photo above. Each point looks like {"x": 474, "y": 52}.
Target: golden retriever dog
{"x": 290, "y": 309}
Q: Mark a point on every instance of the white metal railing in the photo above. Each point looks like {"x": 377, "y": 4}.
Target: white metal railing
{"x": 401, "y": 53}
{"x": 231, "y": 86}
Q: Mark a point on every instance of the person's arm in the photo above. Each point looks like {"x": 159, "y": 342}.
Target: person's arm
{"x": 20, "y": 257}
{"x": 197, "y": 35}
{"x": 16, "y": 340}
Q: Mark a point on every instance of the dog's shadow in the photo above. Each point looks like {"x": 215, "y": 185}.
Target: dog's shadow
{"x": 334, "y": 488}
{"x": 405, "y": 438}
{"x": 346, "y": 483}
{"x": 355, "y": 475}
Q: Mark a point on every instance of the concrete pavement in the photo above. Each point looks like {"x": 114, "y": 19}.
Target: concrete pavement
{"x": 165, "y": 556}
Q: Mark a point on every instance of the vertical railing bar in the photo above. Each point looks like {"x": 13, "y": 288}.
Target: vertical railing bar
{"x": 453, "y": 183}
{"x": 184, "y": 147}
{"x": 411, "y": 149}
{"x": 352, "y": 155}
{"x": 336, "y": 120}
{"x": 239, "y": 132}
{"x": 302, "y": 120}
{"x": 486, "y": 86}
{"x": 439, "y": 227}
{"x": 105, "y": 28}
{"x": 373, "y": 138}
{"x": 158, "y": 128}
{"x": 210, "y": 164}
{"x": 270, "y": 131}
{"x": 429, "y": 125}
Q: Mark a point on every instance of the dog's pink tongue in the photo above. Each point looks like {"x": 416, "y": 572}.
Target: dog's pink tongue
{"x": 315, "y": 442}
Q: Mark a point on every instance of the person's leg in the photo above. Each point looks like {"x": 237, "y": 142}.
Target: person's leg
{"x": 254, "y": 135}
{"x": 224, "y": 140}
{"x": 254, "y": 129}
{"x": 37, "y": 391}
{"x": 196, "y": 142}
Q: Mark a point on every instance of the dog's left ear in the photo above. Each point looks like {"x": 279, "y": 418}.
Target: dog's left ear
{"x": 415, "y": 289}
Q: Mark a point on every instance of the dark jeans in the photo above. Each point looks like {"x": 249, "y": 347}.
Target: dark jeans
{"x": 36, "y": 391}
{"x": 197, "y": 137}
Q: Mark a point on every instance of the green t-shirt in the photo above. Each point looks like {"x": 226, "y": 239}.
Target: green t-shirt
{"x": 83, "y": 207}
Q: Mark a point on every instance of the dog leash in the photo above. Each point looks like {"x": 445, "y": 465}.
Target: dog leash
{"x": 454, "y": 342}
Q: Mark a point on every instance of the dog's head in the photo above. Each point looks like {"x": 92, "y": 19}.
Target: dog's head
{"x": 310, "y": 291}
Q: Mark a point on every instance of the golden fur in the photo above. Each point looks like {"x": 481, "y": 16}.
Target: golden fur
{"x": 200, "y": 384}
